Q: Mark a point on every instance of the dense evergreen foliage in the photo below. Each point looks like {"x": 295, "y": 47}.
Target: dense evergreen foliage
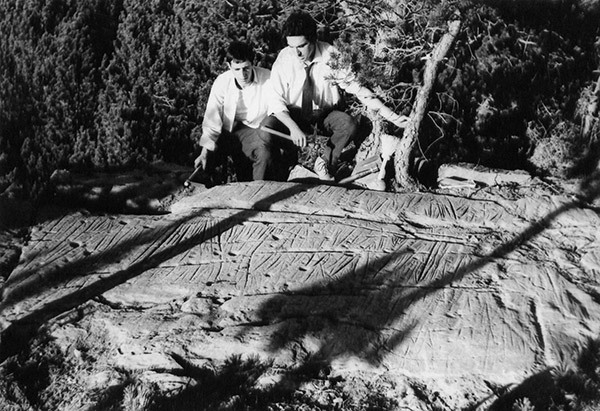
{"x": 51, "y": 59}
{"x": 116, "y": 83}
{"x": 96, "y": 84}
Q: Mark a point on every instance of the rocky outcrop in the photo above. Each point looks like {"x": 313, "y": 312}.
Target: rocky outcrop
{"x": 451, "y": 289}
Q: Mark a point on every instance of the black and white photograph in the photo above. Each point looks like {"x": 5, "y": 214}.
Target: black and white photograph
{"x": 299, "y": 205}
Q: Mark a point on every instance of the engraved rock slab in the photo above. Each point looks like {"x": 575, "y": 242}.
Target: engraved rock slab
{"x": 420, "y": 284}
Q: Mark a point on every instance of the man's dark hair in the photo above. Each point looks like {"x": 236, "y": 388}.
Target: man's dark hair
{"x": 300, "y": 23}
{"x": 239, "y": 51}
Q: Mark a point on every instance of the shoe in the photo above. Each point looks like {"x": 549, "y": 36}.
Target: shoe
{"x": 321, "y": 170}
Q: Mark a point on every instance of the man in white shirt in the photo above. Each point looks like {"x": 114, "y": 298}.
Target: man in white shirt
{"x": 236, "y": 105}
{"x": 307, "y": 92}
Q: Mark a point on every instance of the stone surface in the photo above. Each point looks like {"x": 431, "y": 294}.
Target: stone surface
{"x": 441, "y": 287}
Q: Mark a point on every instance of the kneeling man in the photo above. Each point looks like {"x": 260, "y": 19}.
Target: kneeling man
{"x": 237, "y": 104}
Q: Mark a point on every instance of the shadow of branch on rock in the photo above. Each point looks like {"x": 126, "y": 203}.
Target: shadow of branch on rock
{"x": 30, "y": 282}
{"x": 351, "y": 318}
{"x": 16, "y": 335}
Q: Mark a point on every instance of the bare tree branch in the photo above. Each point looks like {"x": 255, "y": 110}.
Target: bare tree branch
{"x": 405, "y": 145}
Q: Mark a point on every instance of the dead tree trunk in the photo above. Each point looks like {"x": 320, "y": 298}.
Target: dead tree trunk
{"x": 405, "y": 146}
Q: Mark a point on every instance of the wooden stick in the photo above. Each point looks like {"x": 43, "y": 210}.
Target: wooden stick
{"x": 276, "y": 133}
{"x": 188, "y": 182}
{"x": 286, "y": 136}
{"x": 364, "y": 173}
{"x": 350, "y": 179}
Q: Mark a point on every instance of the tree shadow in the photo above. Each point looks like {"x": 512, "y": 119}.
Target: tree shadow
{"x": 137, "y": 192}
{"x": 365, "y": 298}
{"x": 16, "y": 335}
{"x": 381, "y": 317}
{"x": 28, "y": 283}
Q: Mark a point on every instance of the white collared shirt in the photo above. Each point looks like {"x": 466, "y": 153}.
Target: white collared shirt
{"x": 288, "y": 74}
{"x": 223, "y": 110}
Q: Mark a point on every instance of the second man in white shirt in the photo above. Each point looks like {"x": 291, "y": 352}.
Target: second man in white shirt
{"x": 306, "y": 93}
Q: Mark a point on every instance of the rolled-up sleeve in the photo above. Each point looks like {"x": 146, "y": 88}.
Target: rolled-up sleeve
{"x": 278, "y": 90}
{"x": 212, "y": 124}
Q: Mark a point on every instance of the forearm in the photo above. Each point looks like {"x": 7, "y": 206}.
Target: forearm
{"x": 372, "y": 102}
{"x": 286, "y": 120}
{"x": 391, "y": 116}
{"x": 209, "y": 138}
{"x": 296, "y": 134}
{"x": 212, "y": 123}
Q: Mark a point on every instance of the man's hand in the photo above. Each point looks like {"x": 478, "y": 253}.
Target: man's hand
{"x": 401, "y": 121}
{"x": 296, "y": 134}
{"x": 398, "y": 120}
{"x": 202, "y": 159}
{"x": 298, "y": 137}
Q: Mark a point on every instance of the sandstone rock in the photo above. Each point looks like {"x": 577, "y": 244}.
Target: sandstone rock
{"x": 447, "y": 290}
